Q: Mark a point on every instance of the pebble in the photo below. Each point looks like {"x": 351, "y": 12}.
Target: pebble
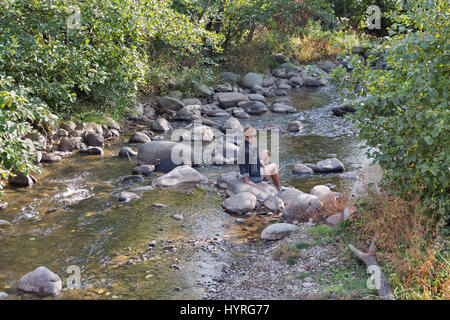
{"x": 152, "y": 243}
{"x": 240, "y": 220}
{"x": 178, "y": 217}
{"x": 159, "y": 205}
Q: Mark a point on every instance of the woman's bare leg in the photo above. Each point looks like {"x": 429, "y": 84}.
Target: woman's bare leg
{"x": 272, "y": 170}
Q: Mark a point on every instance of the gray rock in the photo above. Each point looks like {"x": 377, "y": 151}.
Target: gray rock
{"x": 240, "y": 220}
{"x": 256, "y": 97}
{"x": 50, "y": 157}
{"x": 112, "y": 124}
{"x": 3, "y": 295}
{"x": 170, "y": 103}
{"x": 142, "y": 189}
{"x": 327, "y": 66}
{"x": 290, "y": 67}
{"x": 202, "y": 133}
{"x": 240, "y": 203}
{"x": 4, "y": 223}
{"x": 230, "y": 77}
{"x": 160, "y": 125}
{"x": 274, "y": 203}
{"x": 329, "y": 165}
{"x": 41, "y": 282}
{"x": 62, "y": 133}
{"x": 126, "y": 196}
{"x": 189, "y": 113}
{"x": 323, "y": 193}
{"x": 257, "y": 89}
{"x": 309, "y": 81}
{"x": 178, "y": 217}
{"x": 232, "y": 124}
{"x": 277, "y": 231}
{"x": 301, "y": 169}
{"x": 234, "y": 184}
{"x": 21, "y": 180}
{"x": 93, "y": 139}
{"x": 94, "y": 127}
{"x": 296, "y": 81}
{"x": 250, "y": 79}
{"x": 179, "y": 176}
{"x": 92, "y": 151}
{"x": 68, "y": 125}
{"x": 66, "y": 145}
{"x": 268, "y": 82}
{"x": 202, "y": 90}
{"x": 192, "y": 102}
{"x": 254, "y": 107}
{"x": 298, "y": 205}
{"x": 334, "y": 219}
{"x": 230, "y": 99}
{"x": 281, "y": 108}
{"x": 144, "y": 170}
{"x": 159, "y": 153}
{"x": 295, "y": 126}
{"x": 127, "y": 152}
{"x": 139, "y": 137}
{"x": 223, "y": 88}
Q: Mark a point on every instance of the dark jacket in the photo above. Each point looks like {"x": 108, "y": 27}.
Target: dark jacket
{"x": 248, "y": 160}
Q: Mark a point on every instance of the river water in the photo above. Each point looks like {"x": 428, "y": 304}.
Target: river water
{"x": 72, "y": 216}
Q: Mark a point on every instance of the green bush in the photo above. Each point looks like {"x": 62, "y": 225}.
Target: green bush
{"x": 19, "y": 110}
{"x": 406, "y": 117}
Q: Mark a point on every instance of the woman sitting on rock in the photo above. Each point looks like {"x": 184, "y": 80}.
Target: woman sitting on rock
{"x": 251, "y": 166}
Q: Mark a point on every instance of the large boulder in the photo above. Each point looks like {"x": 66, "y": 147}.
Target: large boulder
{"x": 202, "y": 91}
{"x": 274, "y": 203}
{"x": 322, "y": 192}
{"x": 277, "y": 231}
{"x": 180, "y": 176}
{"x": 250, "y": 79}
{"x": 230, "y": 77}
{"x": 329, "y": 165}
{"x": 189, "y": 113}
{"x": 68, "y": 125}
{"x": 309, "y": 81}
{"x": 230, "y": 99}
{"x": 65, "y": 144}
{"x": 42, "y": 282}
{"x": 234, "y": 184}
{"x": 94, "y": 139}
{"x": 299, "y": 206}
{"x": 232, "y": 124}
{"x": 170, "y": 103}
{"x": 240, "y": 203}
{"x": 160, "y": 125}
{"x": 139, "y": 137}
{"x": 301, "y": 169}
{"x": 202, "y": 133}
{"x": 164, "y": 155}
{"x": 254, "y": 107}
{"x": 21, "y": 180}
{"x": 111, "y": 123}
{"x": 282, "y": 108}
{"x": 289, "y": 67}
{"x": 327, "y": 66}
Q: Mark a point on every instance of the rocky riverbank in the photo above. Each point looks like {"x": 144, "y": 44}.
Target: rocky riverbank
{"x": 214, "y": 119}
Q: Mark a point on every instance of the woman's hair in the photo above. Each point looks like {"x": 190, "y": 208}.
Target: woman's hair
{"x": 248, "y": 128}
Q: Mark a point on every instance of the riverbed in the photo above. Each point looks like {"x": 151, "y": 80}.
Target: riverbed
{"x": 72, "y": 216}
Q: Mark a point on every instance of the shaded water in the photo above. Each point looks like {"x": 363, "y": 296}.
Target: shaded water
{"x": 73, "y": 217}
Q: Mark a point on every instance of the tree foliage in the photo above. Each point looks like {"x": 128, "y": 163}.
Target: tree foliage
{"x": 406, "y": 116}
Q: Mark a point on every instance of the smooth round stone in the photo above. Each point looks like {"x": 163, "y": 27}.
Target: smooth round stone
{"x": 178, "y": 217}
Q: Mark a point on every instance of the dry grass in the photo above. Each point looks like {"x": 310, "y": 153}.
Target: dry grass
{"x": 415, "y": 261}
